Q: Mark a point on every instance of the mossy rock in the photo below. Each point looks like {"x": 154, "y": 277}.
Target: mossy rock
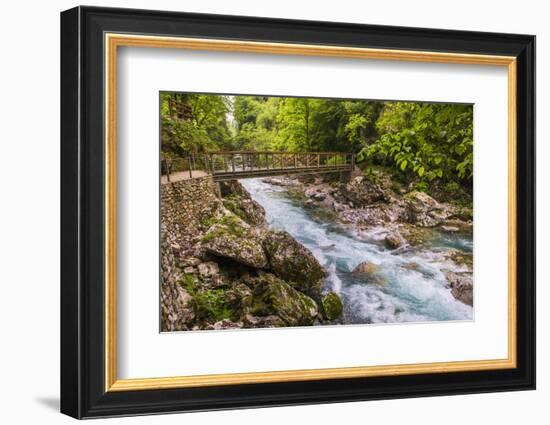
{"x": 332, "y": 306}
{"x": 273, "y": 296}
{"x": 292, "y": 262}
{"x": 366, "y": 267}
{"x": 232, "y": 238}
{"x": 369, "y": 272}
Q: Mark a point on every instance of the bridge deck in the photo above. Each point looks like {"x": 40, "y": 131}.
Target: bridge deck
{"x": 223, "y": 166}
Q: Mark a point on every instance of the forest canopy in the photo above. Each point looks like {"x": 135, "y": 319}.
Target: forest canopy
{"x": 422, "y": 142}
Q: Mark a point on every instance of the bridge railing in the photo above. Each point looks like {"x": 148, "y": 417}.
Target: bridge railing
{"x": 243, "y": 162}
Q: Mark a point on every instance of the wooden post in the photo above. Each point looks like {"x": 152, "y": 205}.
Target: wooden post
{"x": 295, "y": 161}
{"x": 233, "y": 162}
{"x": 190, "y": 167}
{"x": 318, "y": 160}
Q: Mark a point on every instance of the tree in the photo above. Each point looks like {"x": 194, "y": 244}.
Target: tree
{"x": 431, "y": 141}
{"x": 194, "y": 123}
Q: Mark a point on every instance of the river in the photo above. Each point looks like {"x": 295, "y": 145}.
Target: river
{"x": 410, "y": 285}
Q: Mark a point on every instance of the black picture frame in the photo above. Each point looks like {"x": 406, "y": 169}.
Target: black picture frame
{"x": 83, "y": 392}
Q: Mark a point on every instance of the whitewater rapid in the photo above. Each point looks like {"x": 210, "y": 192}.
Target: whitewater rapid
{"x": 411, "y": 287}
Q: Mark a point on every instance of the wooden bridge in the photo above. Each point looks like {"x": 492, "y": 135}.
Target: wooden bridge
{"x": 223, "y": 166}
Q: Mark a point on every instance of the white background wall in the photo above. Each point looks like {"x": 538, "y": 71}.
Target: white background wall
{"x": 29, "y": 210}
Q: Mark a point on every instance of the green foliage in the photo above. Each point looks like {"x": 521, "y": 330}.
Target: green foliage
{"x": 428, "y": 141}
{"x": 194, "y": 123}
{"x": 421, "y": 142}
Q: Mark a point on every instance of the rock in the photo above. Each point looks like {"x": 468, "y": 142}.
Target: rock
{"x": 177, "y": 306}
{"x": 362, "y": 192}
{"x": 277, "y": 181}
{"x": 370, "y": 272}
{"x": 394, "y": 240}
{"x": 272, "y": 321}
{"x": 208, "y": 269}
{"x": 273, "y": 296}
{"x": 461, "y": 286}
{"x": 292, "y": 262}
{"x": 450, "y": 229}
{"x": 309, "y": 203}
{"x": 235, "y": 240}
{"x": 366, "y": 267}
{"x": 176, "y": 247}
{"x": 423, "y": 210}
{"x": 190, "y": 261}
{"x": 237, "y": 200}
{"x": 338, "y": 207}
{"x": 184, "y": 305}
{"x": 416, "y": 235}
{"x": 461, "y": 258}
{"x": 332, "y": 306}
{"x": 420, "y": 202}
{"x": 238, "y": 298}
{"x": 316, "y": 194}
{"x": 227, "y": 324}
{"x": 189, "y": 270}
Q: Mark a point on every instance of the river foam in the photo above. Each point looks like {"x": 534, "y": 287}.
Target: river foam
{"x": 409, "y": 286}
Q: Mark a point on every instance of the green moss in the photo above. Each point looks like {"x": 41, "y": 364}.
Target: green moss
{"x": 210, "y": 303}
{"x": 233, "y": 204}
{"x": 332, "y": 306}
{"x": 228, "y": 225}
{"x": 234, "y": 224}
{"x": 188, "y": 282}
{"x": 208, "y": 222}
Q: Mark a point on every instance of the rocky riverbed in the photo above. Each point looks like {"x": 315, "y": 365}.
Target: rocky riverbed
{"x": 222, "y": 267}
{"x": 403, "y": 222}
{"x": 310, "y": 251}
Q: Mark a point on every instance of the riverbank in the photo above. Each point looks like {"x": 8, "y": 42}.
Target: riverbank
{"x": 301, "y": 252}
{"x": 222, "y": 267}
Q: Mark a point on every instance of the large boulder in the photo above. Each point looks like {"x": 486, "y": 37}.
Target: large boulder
{"x": 423, "y": 210}
{"x": 462, "y": 287}
{"x": 274, "y": 297}
{"x": 363, "y": 192}
{"x": 237, "y": 200}
{"x": 234, "y": 239}
{"x": 293, "y": 262}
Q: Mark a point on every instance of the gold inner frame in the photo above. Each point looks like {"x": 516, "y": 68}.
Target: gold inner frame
{"x": 113, "y": 41}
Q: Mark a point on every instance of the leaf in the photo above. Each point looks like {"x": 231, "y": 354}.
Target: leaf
{"x": 421, "y": 171}
{"x": 403, "y": 165}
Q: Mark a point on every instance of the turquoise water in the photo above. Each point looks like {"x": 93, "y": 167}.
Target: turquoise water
{"x": 409, "y": 284}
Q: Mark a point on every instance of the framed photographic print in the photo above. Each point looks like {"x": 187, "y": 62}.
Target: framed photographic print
{"x": 261, "y": 212}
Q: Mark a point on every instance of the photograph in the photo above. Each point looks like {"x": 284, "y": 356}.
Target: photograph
{"x": 262, "y": 211}
{"x": 283, "y": 211}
